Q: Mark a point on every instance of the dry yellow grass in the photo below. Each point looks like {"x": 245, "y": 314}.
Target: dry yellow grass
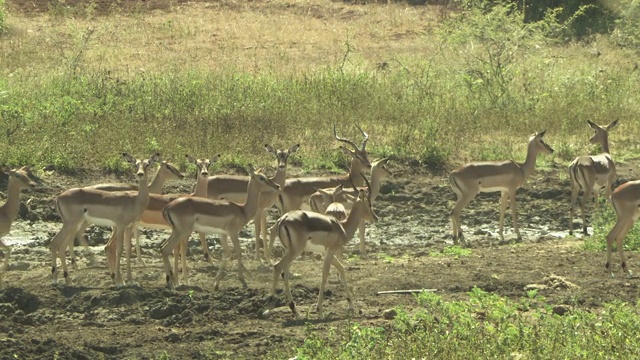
{"x": 275, "y": 36}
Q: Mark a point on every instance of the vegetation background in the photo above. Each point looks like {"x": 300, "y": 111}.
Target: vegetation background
{"x": 441, "y": 84}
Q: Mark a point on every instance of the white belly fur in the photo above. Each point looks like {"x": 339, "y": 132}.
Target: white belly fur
{"x": 493, "y": 189}
{"x": 155, "y": 226}
{"x": 311, "y": 247}
{"x": 98, "y": 221}
{"x": 209, "y": 230}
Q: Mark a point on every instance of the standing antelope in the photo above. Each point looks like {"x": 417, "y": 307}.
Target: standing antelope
{"x": 118, "y": 209}
{"x": 152, "y": 217}
{"x": 319, "y": 201}
{"x": 234, "y": 188}
{"x": 626, "y": 203}
{"x": 18, "y": 179}
{"x": 165, "y": 172}
{"x": 590, "y": 173}
{"x": 296, "y": 191}
{"x": 491, "y": 176}
{"x": 301, "y": 230}
{"x": 189, "y": 214}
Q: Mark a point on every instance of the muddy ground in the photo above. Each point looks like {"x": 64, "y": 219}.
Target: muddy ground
{"x": 92, "y": 319}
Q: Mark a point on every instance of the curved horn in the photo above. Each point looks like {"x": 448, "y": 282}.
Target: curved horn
{"x": 366, "y": 137}
{"x": 366, "y": 182}
{"x": 342, "y": 139}
{"x": 352, "y": 184}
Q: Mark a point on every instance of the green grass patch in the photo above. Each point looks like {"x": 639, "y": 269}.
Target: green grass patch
{"x": 454, "y": 250}
{"x": 486, "y": 325}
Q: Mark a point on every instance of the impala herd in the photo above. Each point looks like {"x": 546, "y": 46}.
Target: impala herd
{"x": 318, "y": 214}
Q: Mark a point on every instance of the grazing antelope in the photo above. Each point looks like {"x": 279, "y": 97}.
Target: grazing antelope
{"x": 165, "y": 172}
{"x": 301, "y": 230}
{"x": 296, "y": 191}
{"x": 491, "y": 176}
{"x": 189, "y": 214}
{"x": 319, "y": 201}
{"x": 234, "y": 188}
{"x": 18, "y": 179}
{"x": 590, "y": 173}
{"x": 117, "y": 209}
{"x": 626, "y": 203}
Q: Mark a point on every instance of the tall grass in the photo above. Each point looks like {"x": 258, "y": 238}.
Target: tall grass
{"x": 491, "y": 82}
{"x": 484, "y": 326}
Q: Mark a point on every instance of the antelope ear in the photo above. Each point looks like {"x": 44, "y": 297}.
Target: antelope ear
{"x": 270, "y": 149}
{"x": 6, "y": 169}
{"x": 130, "y": 159}
{"x": 215, "y": 158}
{"x": 593, "y": 125}
{"x": 324, "y": 193}
{"x": 293, "y": 149}
{"x": 191, "y": 159}
{"x": 347, "y": 151}
{"x": 541, "y": 133}
{"x": 251, "y": 169}
{"x": 154, "y": 158}
{"x": 612, "y": 125}
{"x": 350, "y": 197}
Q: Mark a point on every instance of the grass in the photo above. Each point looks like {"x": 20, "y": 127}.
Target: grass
{"x": 454, "y": 251}
{"x": 84, "y": 88}
{"x": 485, "y": 325}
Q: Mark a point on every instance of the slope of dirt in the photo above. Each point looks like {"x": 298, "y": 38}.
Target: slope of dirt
{"x": 92, "y": 319}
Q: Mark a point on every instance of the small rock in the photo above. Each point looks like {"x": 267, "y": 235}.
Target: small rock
{"x": 389, "y": 314}
{"x": 561, "y": 309}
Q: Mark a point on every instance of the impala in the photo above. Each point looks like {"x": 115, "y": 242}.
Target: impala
{"x": 626, "y": 202}
{"x": 189, "y": 214}
{"x": 505, "y": 176}
{"x": 234, "y": 188}
{"x": 152, "y": 216}
{"x": 331, "y": 204}
{"x": 319, "y": 202}
{"x": 300, "y": 231}
{"x": 165, "y": 172}
{"x": 118, "y": 209}
{"x": 18, "y": 179}
{"x": 590, "y": 173}
{"x": 296, "y": 191}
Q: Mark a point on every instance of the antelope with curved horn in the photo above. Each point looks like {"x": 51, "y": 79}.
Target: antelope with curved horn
{"x": 319, "y": 202}
{"x": 491, "y": 176}
{"x": 590, "y": 173}
{"x": 296, "y": 191}
{"x": 300, "y": 230}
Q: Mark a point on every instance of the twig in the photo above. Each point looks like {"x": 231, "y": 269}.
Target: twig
{"x": 413, "y": 291}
